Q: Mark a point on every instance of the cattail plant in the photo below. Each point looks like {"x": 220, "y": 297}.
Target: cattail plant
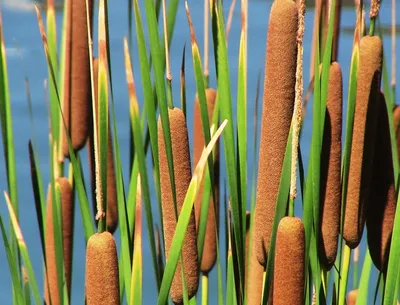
{"x": 112, "y": 204}
{"x": 363, "y": 141}
{"x": 182, "y": 171}
{"x": 254, "y": 271}
{"x": 381, "y": 207}
{"x": 77, "y": 92}
{"x": 352, "y": 297}
{"x": 210, "y": 243}
{"x": 331, "y": 169}
{"x": 67, "y": 215}
{"x": 396, "y": 122}
{"x": 102, "y": 282}
{"x": 289, "y": 273}
{"x": 278, "y": 103}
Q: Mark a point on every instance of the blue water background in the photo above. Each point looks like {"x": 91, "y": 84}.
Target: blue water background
{"x": 26, "y": 59}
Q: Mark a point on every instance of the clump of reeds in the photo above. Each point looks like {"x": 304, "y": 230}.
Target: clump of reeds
{"x": 352, "y": 297}
{"x": 67, "y": 214}
{"x": 278, "y": 103}
{"x": 364, "y": 131}
{"x": 381, "y": 207}
{"x": 331, "y": 169}
{"x": 102, "y": 281}
{"x": 112, "y": 204}
{"x": 210, "y": 243}
{"x": 77, "y": 92}
{"x": 182, "y": 171}
{"x": 289, "y": 275}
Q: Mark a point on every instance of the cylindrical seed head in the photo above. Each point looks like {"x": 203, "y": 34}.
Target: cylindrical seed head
{"x": 289, "y": 263}
{"x": 331, "y": 189}
{"x": 112, "y": 203}
{"x": 67, "y": 209}
{"x": 381, "y": 207}
{"x": 363, "y": 141}
{"x": 77, "y": 103}
{"x": 210, "y": 244}
{"x": 182, "y": 172}
{"x": 351, "y": 298}
{"x": 396, "y": 122}
{"x": 254, "y": 271}
{"x": 102, "y": 281}
{"x": 278, "y": 103}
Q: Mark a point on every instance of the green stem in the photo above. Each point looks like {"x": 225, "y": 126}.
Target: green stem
{"x": 206, "y": 81}
{"x": 169, "y": 94}
{"x": 204, "y": 289}
{"x": 372, "y": 27}
{"x": 345, "y": 275}
{"x": 291, "y": 207}
{"x": 355, "y": 276}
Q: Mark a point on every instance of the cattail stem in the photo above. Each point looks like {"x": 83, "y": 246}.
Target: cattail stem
{"x": 356, "y": 255}
{"x": 204, "y": 289}
{"x": 167, "y": 59}
{"x": 394, "y": 46}
{"x": 297, "y": 115}
{"x": 206, "y": 31}
{"x": 345, "y": 274}
{"x": 372, "y": 27}
{"x": 291, "y": 206}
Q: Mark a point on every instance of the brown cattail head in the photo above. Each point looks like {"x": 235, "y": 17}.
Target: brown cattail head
{"x": 363, "y": 141}
{"x": 331, "y": 190}
{"x": 381, "y": 205}
{"x": 289, "y": 263}
{"x": 210, "y": 244}
{"x": 112, "y": 202}
{"x": 352, "y": 297}
{"x": 278, "y": 103}
{"x": 396, "y": 122}
{"x": 254, "y": 271}
{"x": 102, "y": 282}
{"x": 182, "y": 171}
{"x": 77, "y": 93}
{"x": 375, "y": 6}
{"x": 67, "y": 214}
